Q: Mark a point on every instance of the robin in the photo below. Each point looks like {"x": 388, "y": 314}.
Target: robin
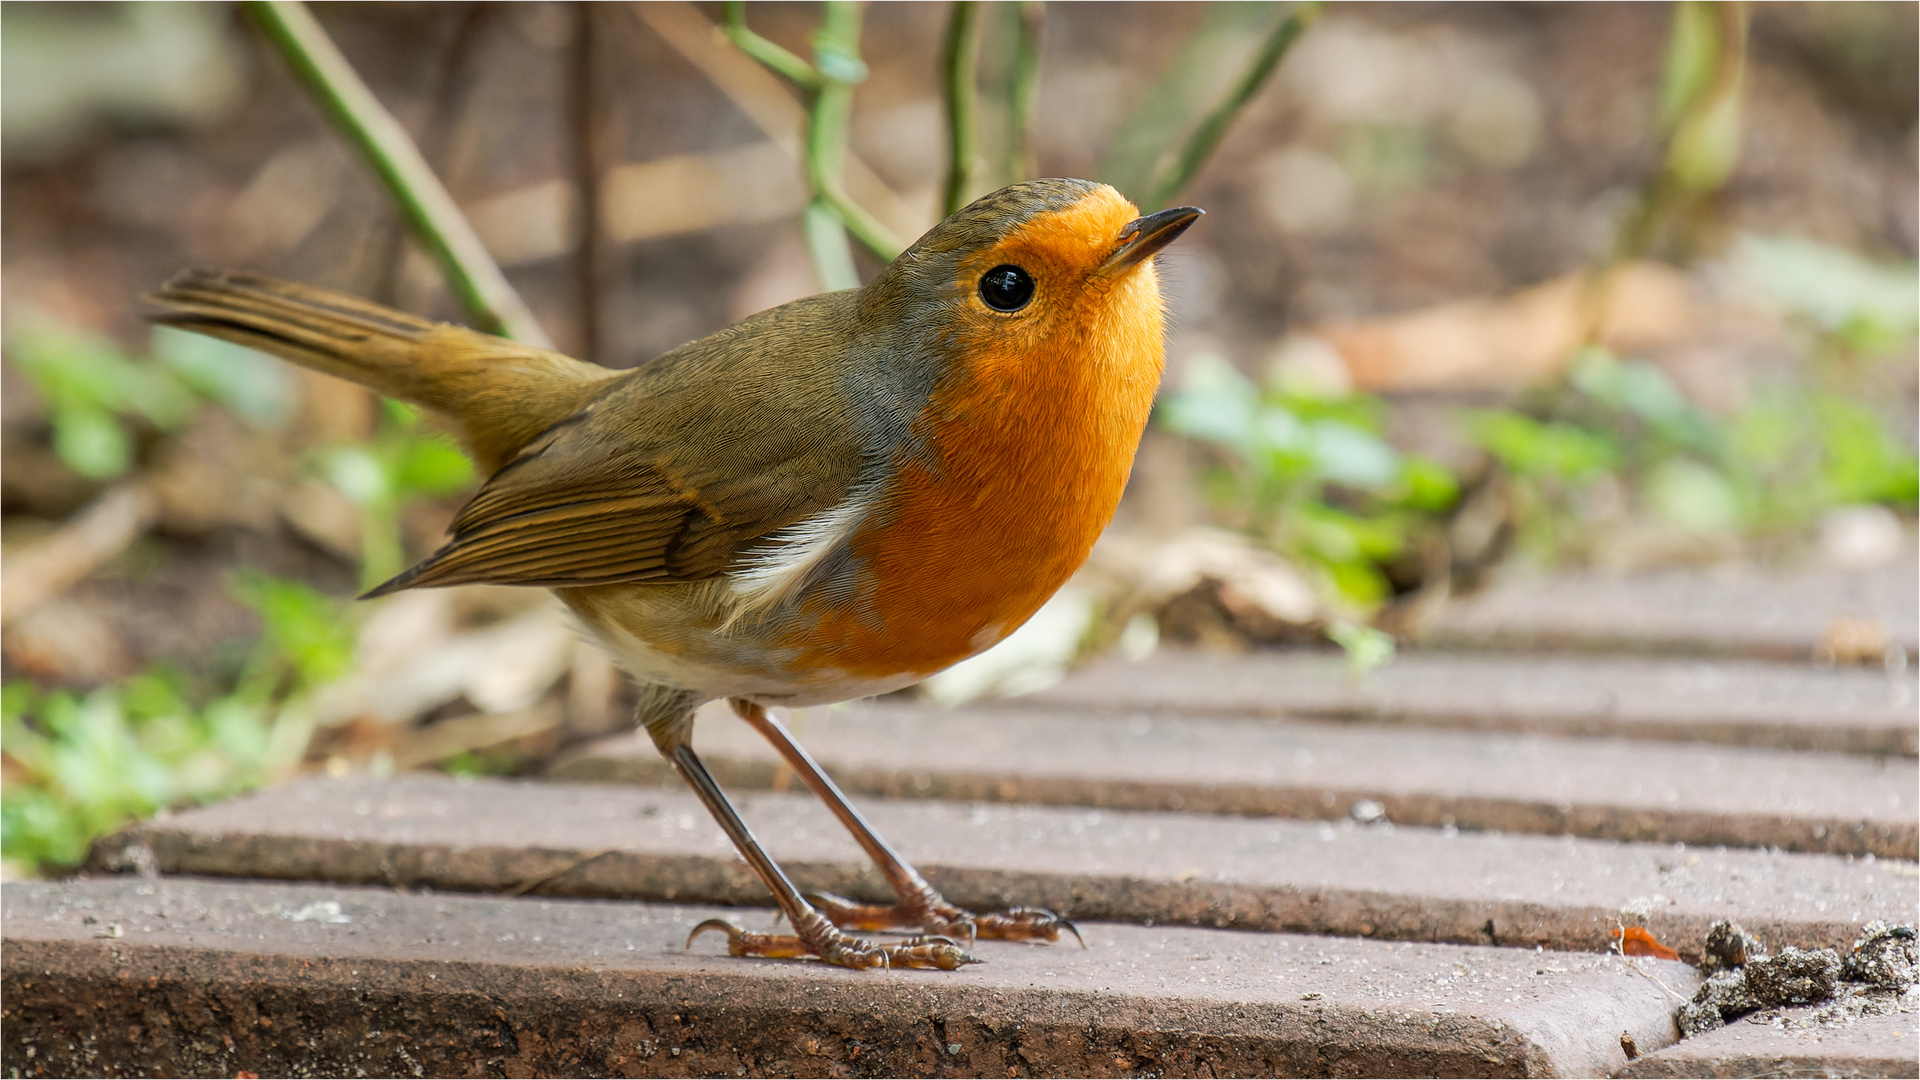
{"x": 829, "y": 500}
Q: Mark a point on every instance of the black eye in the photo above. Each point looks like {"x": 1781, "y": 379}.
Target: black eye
{"x": 1006, "y": 288}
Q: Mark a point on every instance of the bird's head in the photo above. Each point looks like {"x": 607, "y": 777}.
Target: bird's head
{"x": 1046, "y": 272}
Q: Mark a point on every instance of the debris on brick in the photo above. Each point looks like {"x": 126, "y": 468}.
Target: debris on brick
{"x": 1728, "y": 946}
{"x": 1795, "y": 977}
{"x": 1723, "y": 997}
{"x": 1876, "y": 976}
{"x": 1885, "y": 958}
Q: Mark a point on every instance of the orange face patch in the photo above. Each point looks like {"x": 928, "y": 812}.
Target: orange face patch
{"x": 1061, "y": 252}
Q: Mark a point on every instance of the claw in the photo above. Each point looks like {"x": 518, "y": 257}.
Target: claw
{"x": 1027, "y": 924}
{"x": 1067, "y": 925}
{"x": 733, "y": 932}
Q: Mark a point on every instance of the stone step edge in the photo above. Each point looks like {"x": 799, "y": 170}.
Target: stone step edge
{"x": 1791, "y": 1042}
{"x": 303, "y": 992}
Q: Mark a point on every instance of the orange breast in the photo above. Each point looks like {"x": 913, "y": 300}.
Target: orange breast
{"x": 1028, "y": 448}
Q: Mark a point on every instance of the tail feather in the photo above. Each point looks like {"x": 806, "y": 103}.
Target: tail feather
{"x": 499, "y": 395}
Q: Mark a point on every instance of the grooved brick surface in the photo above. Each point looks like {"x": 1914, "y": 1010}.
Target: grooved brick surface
{"x": 1397, "y": 883}
{"x": 1607, "y": 788}
{"x": 1736, "y": 702}
{"x": 1717, "y": 612}
{"x": 185, "y": 977}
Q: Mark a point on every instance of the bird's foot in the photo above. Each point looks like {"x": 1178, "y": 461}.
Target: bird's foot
{"x": 931, "y": 914}
{"x": 827, "y": 942}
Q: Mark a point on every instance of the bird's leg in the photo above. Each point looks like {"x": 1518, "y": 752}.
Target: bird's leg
{"x": 921, "y": 907}
{"x": 814, "y": 934}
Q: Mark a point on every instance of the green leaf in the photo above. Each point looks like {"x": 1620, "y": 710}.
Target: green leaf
{"x": 1870, "y": 304}
{"x": 1642, "y": 390}
{"x": 359, "y": 474}
{"x": 1693, "y": 496}
{"x": 1347, "y": 455}
{"x": 88, "y": 383}
{"x": 1358, "y": 583}
{"x": 302, "y": 625}
{"x": 1428, "y": 485}
{"x": 1218, "y": 405}
{"x": 252, "y": 385}
{"x": 1366, "y": 647}
{"x": 1862, "y": 461}
{"x": 430, "y": 466}
{"x": 1533, "y": 447}
{"x": 91, "y": 442}
{"x": 17, "y": 698}
{"x": 155, "y": 693}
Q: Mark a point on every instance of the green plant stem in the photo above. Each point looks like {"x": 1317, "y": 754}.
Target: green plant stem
{"x": 832, "y": 255}
{"x": 837, "y": 57}
{"x": 775, "y": 58}
{"x": 828, "y": 85}
{"x": 476, "y": 279}
{"x": 1024, "y": 94}
{"x": 1213, "y": 127}
{"x": 963, "y": 98}
{"x": 1700, "y": 153}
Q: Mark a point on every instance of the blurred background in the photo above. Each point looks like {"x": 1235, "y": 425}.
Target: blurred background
{"x": 1480, "y": 286}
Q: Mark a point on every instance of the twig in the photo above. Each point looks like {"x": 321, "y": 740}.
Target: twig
{"x": 101, "y": 530}
{"x": 831, "y": 215}
{"x": 776, "y": 58}
{"x": 836, "y": 54}
{"x": 482, "y": 289}
{"x": 1213, "y": 128}
{"x": 1025, "y": 92}
{"x": 583, "y": 102}
{"x": 557, "y": 873}
{"x": 1687, "y": 171}
{"x": 829, "y": 82}
{"x": 962, "y": 58}
{"x": 827, "y": 243}
{"x": 451, "y": 85}
{"x": 477, "y": 731}
{"x": 768, "y": 102}
{"x": 1619, "y": 948}
{"x": 1681, "y": 179}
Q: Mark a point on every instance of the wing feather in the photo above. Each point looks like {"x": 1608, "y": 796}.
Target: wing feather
{"x": 674, "y": 471}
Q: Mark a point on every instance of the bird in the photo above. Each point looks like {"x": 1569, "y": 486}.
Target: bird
{"x": 828, "y": 500}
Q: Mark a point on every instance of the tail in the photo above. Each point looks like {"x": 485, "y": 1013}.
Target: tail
{"x": 499, "y": 395}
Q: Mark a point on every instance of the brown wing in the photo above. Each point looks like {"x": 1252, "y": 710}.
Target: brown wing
{"x": 674, "y": 470}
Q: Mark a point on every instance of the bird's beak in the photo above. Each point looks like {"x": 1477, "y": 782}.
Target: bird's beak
{"x": 1144, "y": 236}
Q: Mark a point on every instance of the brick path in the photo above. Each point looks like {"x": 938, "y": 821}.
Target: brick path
{"x": 1279, "y": 872}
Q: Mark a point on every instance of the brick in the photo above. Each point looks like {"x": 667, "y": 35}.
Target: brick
{"x": 212, "y": 978}
{"x": 1383, "y": 882}
{"x": 1604, "y": 788}
{"x": 1734, "y": 702}
{"x": 1736, "y": 612}
{"x": 1794, "y": 1042}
